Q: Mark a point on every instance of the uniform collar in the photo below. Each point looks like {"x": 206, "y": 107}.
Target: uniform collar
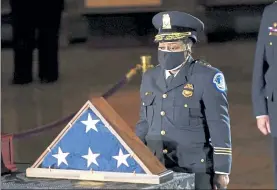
{"x": 167, "y": 73}
{"x": 178, "y": 80}
{"x": 178, "y": 68}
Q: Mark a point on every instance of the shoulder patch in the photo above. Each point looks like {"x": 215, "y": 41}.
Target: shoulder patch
{"x": 219, "y": 82}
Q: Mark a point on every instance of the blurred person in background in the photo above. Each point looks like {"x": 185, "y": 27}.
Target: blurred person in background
{"x": 31, "y": 18}
{"x": 264, "y": 82}
{"x": 4, "y": 169}
{"x": 184, "y": 117}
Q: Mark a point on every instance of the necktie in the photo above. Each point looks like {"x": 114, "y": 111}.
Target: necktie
{"x": 169, "y": 80}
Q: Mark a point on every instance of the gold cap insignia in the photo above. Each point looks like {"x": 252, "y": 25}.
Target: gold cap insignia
{"x": 166, "y": 21}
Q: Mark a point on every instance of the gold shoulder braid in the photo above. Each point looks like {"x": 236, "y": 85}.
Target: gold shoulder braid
{"x": 202, "y": 62}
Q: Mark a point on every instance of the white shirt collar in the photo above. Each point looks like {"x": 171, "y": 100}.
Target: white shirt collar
{"x": 167, "y": 73}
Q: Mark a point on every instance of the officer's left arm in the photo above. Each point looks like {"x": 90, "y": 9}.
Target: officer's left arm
{"x": 141, "y": 128}
{"x": 259, "y": 69}
{"x": 217, "y": 116}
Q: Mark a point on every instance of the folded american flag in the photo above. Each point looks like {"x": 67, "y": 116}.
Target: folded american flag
{"x": 97, "y": 144}
{"x": 91, "y": 144}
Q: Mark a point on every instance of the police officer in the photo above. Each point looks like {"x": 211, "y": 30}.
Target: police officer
{"x": 184, "y": 117}
{"x": 29, "y": 17}
{"x": 264, "y": 82}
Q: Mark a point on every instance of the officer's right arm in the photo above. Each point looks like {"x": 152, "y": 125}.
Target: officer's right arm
{"x": 260, "y": 64}
{"x": 142, "y": 125}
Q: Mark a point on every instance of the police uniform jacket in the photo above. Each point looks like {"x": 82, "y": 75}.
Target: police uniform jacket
{"x": 264, "y": 82}
{"x": 187, "y": 120}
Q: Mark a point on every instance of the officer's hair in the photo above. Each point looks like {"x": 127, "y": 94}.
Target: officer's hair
{"x": 188, "y": 42}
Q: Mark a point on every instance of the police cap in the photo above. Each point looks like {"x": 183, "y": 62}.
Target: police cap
{"x": 175, "y": 26}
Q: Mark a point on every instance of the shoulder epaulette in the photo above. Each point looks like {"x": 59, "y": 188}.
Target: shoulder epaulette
{"x": 202, "y": 62}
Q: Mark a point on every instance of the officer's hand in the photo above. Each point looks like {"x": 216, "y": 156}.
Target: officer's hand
{"x": 221, "y": 181}
{"x": 263, "y": 124}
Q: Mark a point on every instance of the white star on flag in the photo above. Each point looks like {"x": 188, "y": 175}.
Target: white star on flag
{"x": 188, "y": 185}
{"x": 121, "y": 158}
{"x": 90, "y": 124}
{"x": 61, "y": 156}
{"x": 91, "y": 158}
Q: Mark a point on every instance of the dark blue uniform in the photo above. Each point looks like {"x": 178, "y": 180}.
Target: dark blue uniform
{"x": 186, "y": 123}
{"x": 264, "y": 85}
{"x": 31, "y": 18}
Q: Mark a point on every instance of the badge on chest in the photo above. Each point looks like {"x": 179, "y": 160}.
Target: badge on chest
{"x": 273, "y": 29}
{"x": 188, "y": 90}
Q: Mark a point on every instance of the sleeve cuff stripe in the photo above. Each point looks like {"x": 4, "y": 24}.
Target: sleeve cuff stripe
{"x": 222, "y": 153}
{"x": 221, "y": 173}
{"x": 221, "y": 148}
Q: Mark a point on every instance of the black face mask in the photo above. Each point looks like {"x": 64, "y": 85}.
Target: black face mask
{"x": 170, "y": 60}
